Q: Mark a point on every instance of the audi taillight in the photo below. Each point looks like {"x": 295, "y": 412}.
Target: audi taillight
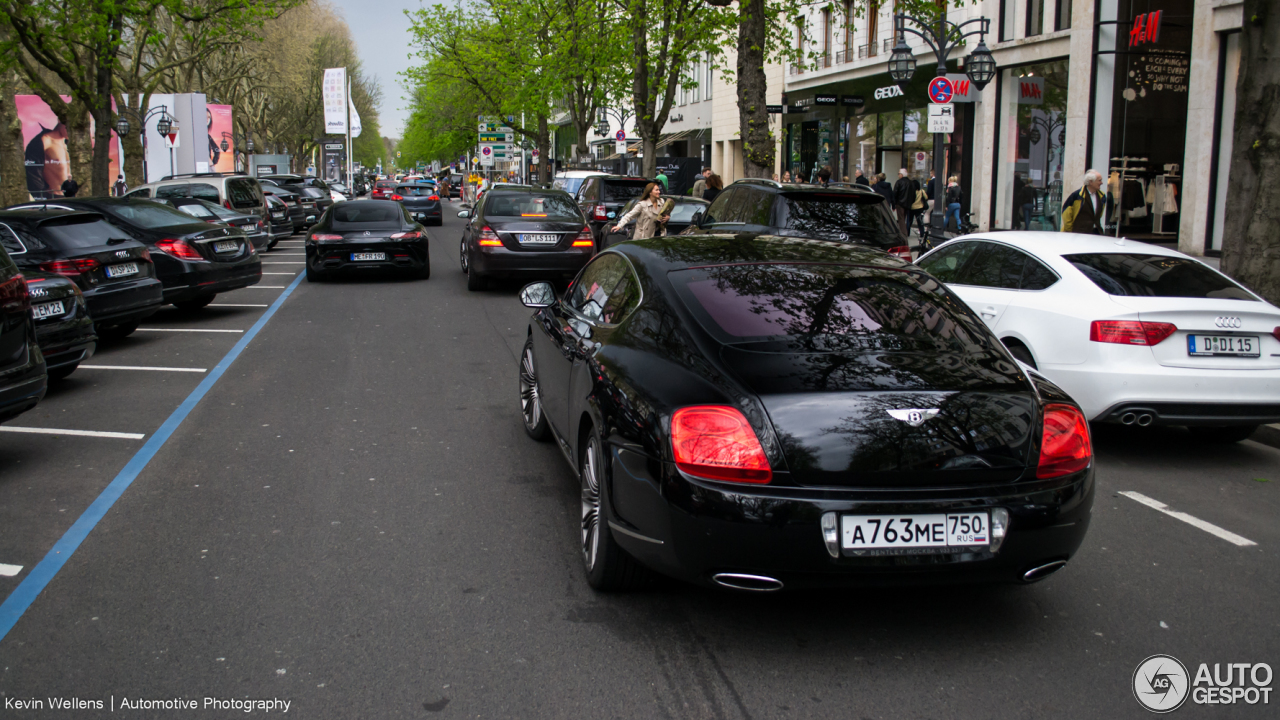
{"x": 600, "y": 213}
{"x": 717, "y": 442}
{"x": 902, "y": 251}
{"x": 180, "y": 249}
{"x": 71, "y": 268}
{"x": 489, "y": 238}
{"x": 1130, "y": 332}
{"x": 415, "y": 235}
{"x": 324, "y": 236}
{"x": 14, "y": 296}
{"x": 1064, "y": 445}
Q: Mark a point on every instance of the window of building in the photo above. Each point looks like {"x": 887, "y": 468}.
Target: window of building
{"x": 873, "y": 26}
{"x": 826, "y": 37}
{"x": 710, "y": 75}
{"x": 1029, "y": 161}
{"x": 1035, "y": 17}
{"x": 1063, "y": 15}
{"x": 695, "y": 76}
{"x": 1004, "y": 26}
{"x": 800, "y": 46}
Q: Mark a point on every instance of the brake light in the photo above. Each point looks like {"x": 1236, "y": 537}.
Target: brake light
{"x": 584, "y": 239}
{"x": 180, "y": 249}
{"x": 14, "y": 296}
{"x": 434, "y": 197}
{"x": 600, "y": 213}
{"x": 1064, "y": 446}
{"x": 322, "y": 236}
{"x": 902, "y": 251}
{"x": 71, "y": 268}
{"x": 489, "y": 238}
{"x": 227, "y": 204}
{"x": 407, "y": 235}
{"x": 1130, "y": 332}
{"x": 397, "y": 197}
{"x": 717, "y": 442}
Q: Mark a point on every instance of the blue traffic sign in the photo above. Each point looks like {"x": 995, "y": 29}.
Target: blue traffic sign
{"x": 940, "y": 90}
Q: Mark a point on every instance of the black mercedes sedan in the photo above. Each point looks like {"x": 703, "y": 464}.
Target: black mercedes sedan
{"x": 422, "y": 202}
{"x": 280, "y": 224}
{"x": 524, "y": 232}
{"x": 251, "y": 225}
{"x": 759, "y": 412}
{"x": 194, "y": 261}
{"x": 64, "y": 328}
{"x": 684, "y": 209}
{"x": 302, "y": 211}
{"x": 114, "y": 272}
{"x": 23, "y": 379}
{"x": 357, "y": 236}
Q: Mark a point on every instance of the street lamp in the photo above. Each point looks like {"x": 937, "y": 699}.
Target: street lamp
{"x": 942, "y": 36}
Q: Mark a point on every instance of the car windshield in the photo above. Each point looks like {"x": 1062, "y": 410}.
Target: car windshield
{"x": 837, "y": 216}
{"x": 827, "y": 307}
{"x": 81, "y": 232}
{"x": 1144, "y": 275}
{"x": 569, "y": 185}
{"x": 532, "y": 205}
{"x": 623, "y": 190}
{"x": 149, "y": 215}
{"x": 366, "y": 213}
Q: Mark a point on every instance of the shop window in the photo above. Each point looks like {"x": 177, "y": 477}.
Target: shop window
{"x": 1035, "y": 17}
{"x": 1029, "y": 159}
{"x": 1063, "y": 15}
{"x": 862, "y": 146}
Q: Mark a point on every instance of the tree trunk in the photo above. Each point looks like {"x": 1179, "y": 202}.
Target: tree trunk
{"x": 544, "y": 152}
{"x": 753, "y": 114}
{"x": 101, "y": 180}
{"x": 13, "y": 173}
{"x": 1251, "y": 245}
{"x": 79, "y": 148}
{"x": 134, "y": 171}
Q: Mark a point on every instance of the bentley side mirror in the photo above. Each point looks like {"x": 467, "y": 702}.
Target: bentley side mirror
{"x": 538, "y": 295}
{"x": 464, "y": 214}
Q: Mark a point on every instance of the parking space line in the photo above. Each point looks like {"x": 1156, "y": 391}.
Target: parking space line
{"x": 151, "y": 329}
{"x": 284, "y": 262}
{"x": 1189, "y": 519}
{"x": 235, "y": 305}
{"x": 10, "y": 570}
{"x": 263, "y": 287}
{"x": 77, "y": 433}
{"x": 141, "y": 367}
{"x": 288, "y": 254}
{"x": 267, "y": 273}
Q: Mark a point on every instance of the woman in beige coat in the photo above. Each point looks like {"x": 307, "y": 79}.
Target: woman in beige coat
{"x": 647, "y": 214}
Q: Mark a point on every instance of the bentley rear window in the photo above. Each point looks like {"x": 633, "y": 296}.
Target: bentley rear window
{"x": 1144, "y": 275}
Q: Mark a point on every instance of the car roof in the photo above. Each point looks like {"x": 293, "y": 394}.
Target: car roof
{"x": 850, "y": 189}
{"x": 34, "y": 216}
{"x": 667, "y": 253}
{"x": 576, "y": 174}
{"x": 1039, "y": 242}
{"x": 526, "y": 189}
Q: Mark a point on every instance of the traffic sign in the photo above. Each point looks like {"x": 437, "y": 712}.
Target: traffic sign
{"x": 397, "y": 153}
{"x": 942, "y": 118}
{"x": 940, "y": 91}
{"x": 486, "y": 151}
{"x": 620, "y": 135}
{"x": 173, "y": 139}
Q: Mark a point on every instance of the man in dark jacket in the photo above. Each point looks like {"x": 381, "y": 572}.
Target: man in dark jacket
{"x": 903, "y": 197}
{"x": 859, "y": 178}
{"x": 1084, "y": 210}
{"x": 70, "y": 187}
{"x": 884, "y": 188}
{"x": 120, "y": 188}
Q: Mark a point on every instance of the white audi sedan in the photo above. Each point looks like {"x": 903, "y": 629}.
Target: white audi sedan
{"x": 1136, "y": 333}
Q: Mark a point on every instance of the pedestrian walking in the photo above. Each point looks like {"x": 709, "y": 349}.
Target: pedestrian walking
{"x": 121, "y": 187}
{"x": 647, "y": 213}
{"x": 1027, "y": 200}
{"x": 786, "y": 176}
{"x": 955, "y": 196}
{"x": 701, "y": 184}
{"x": 662, "y": 178}
{"x": 883, "y": 187}
{"x": 1084, "y": 209}
{"x": 775, "y": 178}
{"x": 70, "y": 187}
{"x": 714, "y": 186}
{"x": 903, "y": 198}
{"x": 918, "y": 207}
{"x": 860, "y": 179}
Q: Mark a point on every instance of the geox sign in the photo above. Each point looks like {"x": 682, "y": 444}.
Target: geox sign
{"x": 885, "y": 93}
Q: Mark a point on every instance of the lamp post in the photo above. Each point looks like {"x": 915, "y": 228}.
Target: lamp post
{"x": 943, "y": 36}
{"x": 622, "y": 115}
{"x": 127, "y": 117}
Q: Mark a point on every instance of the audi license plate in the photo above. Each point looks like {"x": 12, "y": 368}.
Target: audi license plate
{"x": 115, "y": 271}
{"x": 910, "y": 534}
{"x": 357, "y": 257}
{"x": 226, "y": 246}
{"x": 47, "y": 310}
{"x": 538, "y": 239}
{"x": 1233, "y": 345}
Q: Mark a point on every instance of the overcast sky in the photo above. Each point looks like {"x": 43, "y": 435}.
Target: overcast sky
{"x": 381, "y": 32}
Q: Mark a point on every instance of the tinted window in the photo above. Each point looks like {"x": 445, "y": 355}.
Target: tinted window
{"x": 591, "y": 291}
{"x": 683, "y": 212}
{"x": 242, "y": 193}
{"x": 1035, "y": 276}
{"x": 197, "y": 211}
{"x": 827, "y": 306}
{"x": 356, "y": 213}
{"x": 837, "y": 216}
{"x": 148, "y": 215}
{"x": 622, "y": 299}
{"x": 622, "y": 191}
{"x": 205, "y": 191}
{"x": 81, "y": 232}
{"x": 313, "y": 192}
{"x": 720, "y": 211}
{"x": 415, "y": 191}
{"x": 1155, "y": 276}
{"x": 552, "y": 206}
{"x": 994, "y": 266}
{"x": 569, "y": 185}
{"x": 947, "y": 263}
{"x": 590, "y": 189}
{"x": 172, "y": 191}
{"x": 142, "y": 193}
{"x": 10, "y": 241}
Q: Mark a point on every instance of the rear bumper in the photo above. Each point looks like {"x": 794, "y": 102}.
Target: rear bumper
{"x": 125, "y": 302}
{"x": 336, "y": 257}
{"x": 503, "y": 263}
{"x": 259, "y": 240}
{"x": 202, "y": 279}
{"x": 1189, "y": 395}
{"x": 67, "y": 341}
{"x": 20, "y": 391}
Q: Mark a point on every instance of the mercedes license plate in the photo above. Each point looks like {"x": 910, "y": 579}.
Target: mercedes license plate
{"x": 277, "y": 215}
{"x": 1233, "y": 345}
{"x": 892, "y": 534}
{"x": 47, "y": 310}
{"x": 357, "y": 257}
{"x": 115, "y": 271}
{"x": 538, "y": 239}
{"x": 229, "y": 246}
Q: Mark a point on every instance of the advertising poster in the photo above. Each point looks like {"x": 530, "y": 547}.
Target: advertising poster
{"x": 47, "y": 158}
{"x": 335, "y": 101}
{"x": 222, "y": 148}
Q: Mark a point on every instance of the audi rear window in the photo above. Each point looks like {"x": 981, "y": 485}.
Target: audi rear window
{"x": 533, "y": 206}
{"x": 623, "y": 190}
{"x": 792, "y": 308}
{"x": 76, "y": 233}
{"x": 1142, "y": 275}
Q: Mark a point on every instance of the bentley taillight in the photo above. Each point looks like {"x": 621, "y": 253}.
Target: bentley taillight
{"x": 1065, "y": 447}
{"x": 717, "y": 442}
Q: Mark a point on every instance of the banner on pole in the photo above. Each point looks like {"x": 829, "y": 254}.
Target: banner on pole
{"x": 355, "y": 117}
{"x": 335, "y": 98}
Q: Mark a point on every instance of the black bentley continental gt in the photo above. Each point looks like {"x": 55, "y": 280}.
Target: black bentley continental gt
{"x": 362, "y": 235}
{"x": 760, "y": 412}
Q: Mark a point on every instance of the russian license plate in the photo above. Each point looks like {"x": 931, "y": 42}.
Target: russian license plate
{"x": 538, "y": 239}
{"x": 887, "y": 534}
{"x": 47, "y": 310}
{"x": 1237, "y": 345}
{"x": 229, "y": 246}
{"x": 357, "y": 257}
{"x": 115, "y": 271}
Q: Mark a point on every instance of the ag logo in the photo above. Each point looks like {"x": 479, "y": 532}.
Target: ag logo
{"x": 1160, "y": 683}
{"x": 1227, "y": 322}
{"x": 122, "y": 253}
{"x": 915, "y": 417}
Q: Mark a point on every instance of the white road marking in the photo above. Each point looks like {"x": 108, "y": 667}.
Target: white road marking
{"x": 234, "y": 305}
{"x": 288, "y": 254}
{"x": 141, "y": 367}
{"x": 78, "y": 433}
{"x": 151, "y": 329}
{"x": 10, "y": 570}
{"x": 1189, "y": 519}
{"x": 284, "y": 262}
{"x": 267, "y": 273}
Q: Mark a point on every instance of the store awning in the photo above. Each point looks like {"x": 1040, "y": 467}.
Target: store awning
{"x": 674, "y": 137}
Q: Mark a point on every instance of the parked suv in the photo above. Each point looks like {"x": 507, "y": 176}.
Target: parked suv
{"x": 233, "y": 191}
{"x": 602, "y": 197}
{"x": 844, "y": 214}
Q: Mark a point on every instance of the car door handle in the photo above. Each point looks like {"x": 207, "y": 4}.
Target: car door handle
{"x": 988, "y": 311}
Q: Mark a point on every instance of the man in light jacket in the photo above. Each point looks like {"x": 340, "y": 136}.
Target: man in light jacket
{"x": 700, "y": 186}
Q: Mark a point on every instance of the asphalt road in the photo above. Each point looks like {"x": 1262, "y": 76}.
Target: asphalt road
{"x": 352, "y": 519}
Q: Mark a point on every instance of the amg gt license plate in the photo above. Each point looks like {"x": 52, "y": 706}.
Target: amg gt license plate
{"x": 1235, "y": 345}
{"x": 538, "y": 239}
{"x": 357, "y": 257}
{"x": 915, "y": 533}
{"x": 225, "y": 247}
{"x": 47, "y": 310}
{"x": 115, "y": 271}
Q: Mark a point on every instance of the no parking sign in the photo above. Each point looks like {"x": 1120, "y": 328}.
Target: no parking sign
{"x": 940, "y": 91}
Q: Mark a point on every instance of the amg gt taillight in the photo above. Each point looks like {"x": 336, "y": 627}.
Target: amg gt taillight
{"x": 180, "y": 249}
{"x": 71, "y": 268}
{"x": 717, "y": 442}
{"x": 489, "y": 238}
{"x": 415, "y": 235}
{"x": 1130, "y": 332}
{"x": 14, "y": 296}
{"x": 1064, "y": 446}
{"x": 902, "y": 251}
{"x": 600, "y": 213}
{"x": 584, "y": 238}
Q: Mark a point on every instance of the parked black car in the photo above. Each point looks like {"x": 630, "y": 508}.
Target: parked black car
{"x": 203, "y": 210}
{"x": 115, "y": 272}
{"x": 682, "y": 214}
{"x": 602, "y": 197}
{"x": 524, "y": 232}
{"x": 194, "y": 261}
{"x": 844, "y": 214}
{"x": 23, "y": 379}
{"x": 280, "y": 225}
{"x": 64, "y": 327}
{"x": 320, "y": 197}
{"x": 363, "y": 235}
{"x": 421, "y": 201}
{"x": 754, "y": 412}
{"x": 302, "y": 211}
{"x": 307, "y": 186}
